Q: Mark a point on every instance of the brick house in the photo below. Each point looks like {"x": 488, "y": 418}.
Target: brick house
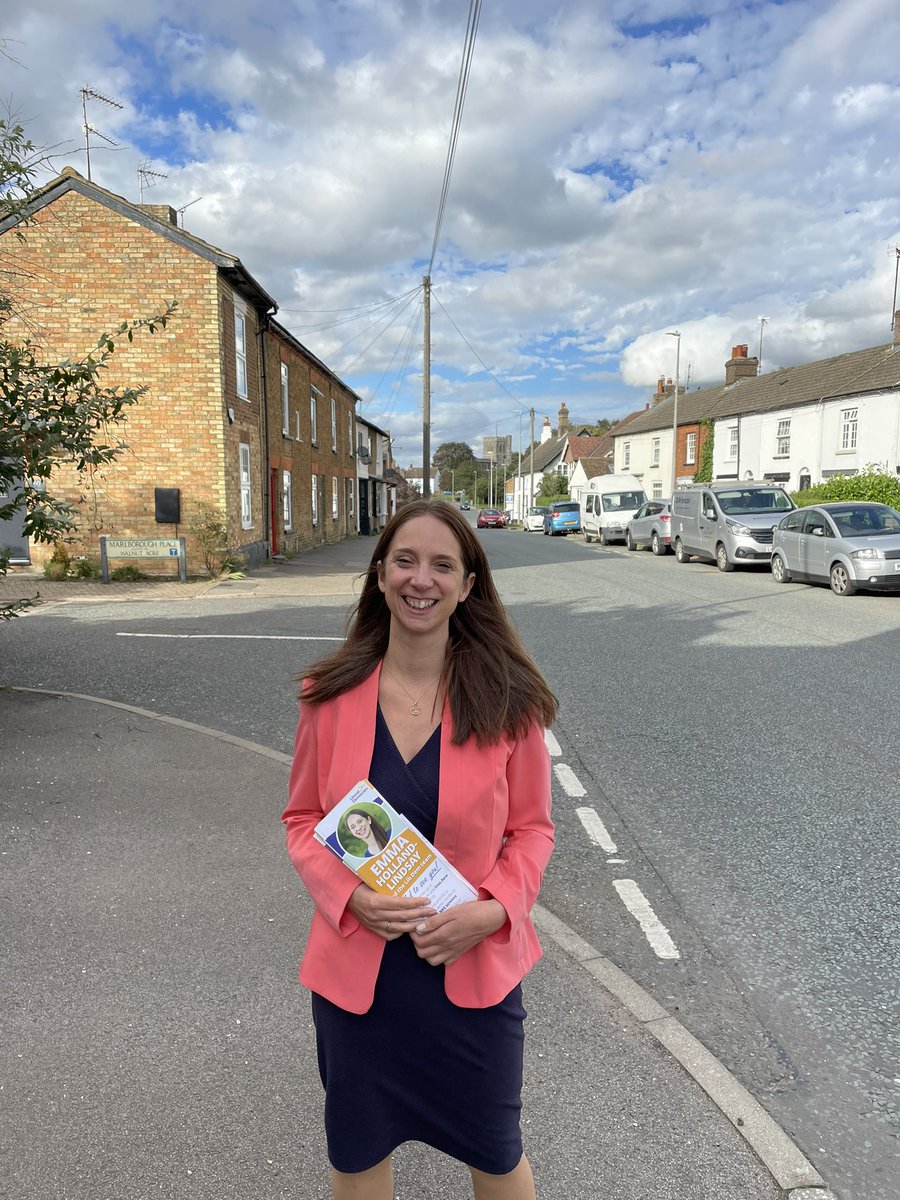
{"x": 237, "y": 414}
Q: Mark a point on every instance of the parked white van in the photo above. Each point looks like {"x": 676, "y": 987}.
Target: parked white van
{"x": 728, "y": 523}
{"x": 607, "y": 505}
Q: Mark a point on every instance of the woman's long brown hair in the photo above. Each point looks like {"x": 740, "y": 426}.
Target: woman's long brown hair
{"x": 493, "y": 684}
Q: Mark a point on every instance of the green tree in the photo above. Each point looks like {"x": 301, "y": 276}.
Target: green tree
{"x": 448, "y": 457}
{"x": 52, "y": 414}
{"x": 554, "y": 486}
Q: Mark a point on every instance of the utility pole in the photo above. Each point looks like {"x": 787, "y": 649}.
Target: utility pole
{"x": 677, "y": 336}
{"x": 531, "y": 472}
{"x": 520, "y": 497}
{"x": 426, "y": 389}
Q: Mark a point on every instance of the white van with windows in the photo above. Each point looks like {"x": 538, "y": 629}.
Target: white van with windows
{"x": 728, "y": 523}
{"x": 607, "y": 505}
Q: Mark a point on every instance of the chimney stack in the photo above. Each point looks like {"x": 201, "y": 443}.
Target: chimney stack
{"x": 563, "y": 419}
{"x": 740, "y": 366}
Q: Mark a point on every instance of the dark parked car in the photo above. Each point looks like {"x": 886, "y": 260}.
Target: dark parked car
{"x": 490, "y": 518}
{"x": 850, "y": 545}
{"x": 465, "y": 504}
{"x": 650, "y": 526}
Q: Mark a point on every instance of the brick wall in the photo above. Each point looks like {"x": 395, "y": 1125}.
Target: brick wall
{"x": 82, "y": 270}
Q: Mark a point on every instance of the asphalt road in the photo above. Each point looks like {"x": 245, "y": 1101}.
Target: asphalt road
{"x": 736, "y": 739}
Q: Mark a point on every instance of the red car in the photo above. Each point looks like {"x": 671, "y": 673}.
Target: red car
{"x": 489, "y": 518}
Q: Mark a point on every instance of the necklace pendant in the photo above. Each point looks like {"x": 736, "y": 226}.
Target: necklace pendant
{"x": 414, "y": 709}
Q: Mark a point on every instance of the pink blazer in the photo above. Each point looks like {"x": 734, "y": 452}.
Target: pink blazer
{"x": 493, "y": 824}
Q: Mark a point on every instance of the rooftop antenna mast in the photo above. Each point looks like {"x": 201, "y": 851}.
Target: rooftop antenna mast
{"x": 894, "y": 301}
{"x": 147, "y": 178}
{"x": 91, "y": 94}
{"x": 763, "y": 322}
{"x": 188, "y": 205}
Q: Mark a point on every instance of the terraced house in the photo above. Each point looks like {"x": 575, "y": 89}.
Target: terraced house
{"x": 238, "y": 413}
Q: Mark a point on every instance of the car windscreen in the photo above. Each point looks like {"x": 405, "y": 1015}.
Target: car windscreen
{"x": 866, "y": 521}
{"x": 622, "y": 501}
{"x": 559, "y": 508}
{"x": 536, "y": 512}
{"x": 753, "y": 500}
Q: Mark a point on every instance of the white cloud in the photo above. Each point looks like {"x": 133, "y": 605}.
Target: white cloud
{"x": 619, "y": 173}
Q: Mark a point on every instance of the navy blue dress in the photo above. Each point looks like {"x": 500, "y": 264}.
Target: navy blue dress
{"x": 416, "y": 1067}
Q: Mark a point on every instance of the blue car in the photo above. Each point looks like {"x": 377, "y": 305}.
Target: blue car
{"x": 562, "y": 516}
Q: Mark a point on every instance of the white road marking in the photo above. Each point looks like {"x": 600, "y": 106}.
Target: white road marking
{"x": 639, "y": 906}
{"x": 596, "y": 830}
{"x": 236, "y": 637}
{"x": 552, "y": 744}
{"x": 568, "y": 780}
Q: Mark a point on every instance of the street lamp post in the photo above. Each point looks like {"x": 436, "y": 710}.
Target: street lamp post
{"x": 677, "y": 336}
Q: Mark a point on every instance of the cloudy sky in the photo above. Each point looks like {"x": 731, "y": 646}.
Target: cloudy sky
{"x": 624, "y": 168}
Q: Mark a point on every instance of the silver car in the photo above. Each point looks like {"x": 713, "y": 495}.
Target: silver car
{"x": 650, "y": 526}
{"x": 851, "y": 545}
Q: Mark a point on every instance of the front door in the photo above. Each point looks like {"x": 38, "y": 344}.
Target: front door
{"x": 364, "y": 506}
{"x": 12, "y": 538}
{"x": 273, "y": 508}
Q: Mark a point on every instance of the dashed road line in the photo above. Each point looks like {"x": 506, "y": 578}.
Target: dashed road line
{"x": 568, "y": 780}
{"x": 640, "y": 908}
{"x": 552, "y": 744}
{"x": 596, "y": 830}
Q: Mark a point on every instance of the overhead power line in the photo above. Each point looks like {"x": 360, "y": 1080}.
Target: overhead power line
{"x": 461, "y": 89}
{"x": 500, "y": 385}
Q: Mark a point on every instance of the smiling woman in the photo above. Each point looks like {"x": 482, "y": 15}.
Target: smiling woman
{"x": 435, "y": 701}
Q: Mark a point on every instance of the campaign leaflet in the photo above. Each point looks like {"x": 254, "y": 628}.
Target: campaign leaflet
{"x": 387, "y": 852}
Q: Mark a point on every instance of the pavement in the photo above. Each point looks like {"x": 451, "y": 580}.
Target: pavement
{"x": 155, "y": 1041}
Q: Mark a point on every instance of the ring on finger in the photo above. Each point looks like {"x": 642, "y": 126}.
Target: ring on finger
{"x": 390, "y": 926}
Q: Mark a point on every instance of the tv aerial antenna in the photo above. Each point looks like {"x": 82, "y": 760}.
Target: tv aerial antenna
{"x": 181, "y": 210}
{"x": 148, "y": 178}
{"x": 896, "y": 254}
{"x": 92, "y": 94}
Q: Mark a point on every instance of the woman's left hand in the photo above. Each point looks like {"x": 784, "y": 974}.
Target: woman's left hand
{"x": 444, "y": 938}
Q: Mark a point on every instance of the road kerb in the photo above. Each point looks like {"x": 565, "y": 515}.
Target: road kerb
{"x": 786, "y": 1163}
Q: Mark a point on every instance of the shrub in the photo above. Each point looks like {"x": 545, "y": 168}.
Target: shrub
{"x": 55, "y": 570}
{"x": 128, "y": 573}
{"x": 86, "y": 568}
{"x": 871, "y": 484}
{"x": 210, "y": 530}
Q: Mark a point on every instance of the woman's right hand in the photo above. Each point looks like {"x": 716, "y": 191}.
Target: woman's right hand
{"x": 388, "y": 916}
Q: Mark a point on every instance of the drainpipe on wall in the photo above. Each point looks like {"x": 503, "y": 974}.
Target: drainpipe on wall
{"x": 267, "y": 464}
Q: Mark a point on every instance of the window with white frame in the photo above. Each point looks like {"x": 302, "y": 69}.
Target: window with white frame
{"x": 849, "y": 418}
{"x": 783, "y": 438}
{"x": 314, "y": 395}
{"x": 315, "y": 500}
{"x": 350, "y": 433}
{"x": 732, "y": 441}
{"x": 654, "y": 457}
{"x": 335, "y": 505}
{"x": 297, "y": 424}
{"x": 690, "y": 448}
{"x": 657, "y": 489}
{"x": 285, "y": 402}
{"x": 245, "y": 480}
{"x": 240, "y": 353}
{"x": 626, "y": 454}
{"x": 286, "y": 500}
{"x": 333, "y": 425}
{"x": 351, "y": 504}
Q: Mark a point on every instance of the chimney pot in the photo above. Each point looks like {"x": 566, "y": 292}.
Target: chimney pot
{"x": 739, "y": 351}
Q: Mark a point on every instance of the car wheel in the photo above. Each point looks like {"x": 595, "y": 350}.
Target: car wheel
{"x": 680, "y": 555}
{"x": 587, "y": 536}
{"x": 780, "y": 573}
{"x": 629, "y": 540}
{"x": 602, "y": 538}
{"x": 656, "y": 545}
{"x": 841, "y": 581}
{"x": 722, "y": 561}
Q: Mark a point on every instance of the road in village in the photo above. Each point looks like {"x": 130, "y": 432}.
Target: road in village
{"x": 736, "y": 745}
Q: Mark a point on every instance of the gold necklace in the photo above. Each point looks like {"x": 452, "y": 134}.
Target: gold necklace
{"x": 415, "y": 709}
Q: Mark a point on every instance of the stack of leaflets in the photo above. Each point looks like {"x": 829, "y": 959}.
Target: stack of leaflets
{"x": 387, "y": 852}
